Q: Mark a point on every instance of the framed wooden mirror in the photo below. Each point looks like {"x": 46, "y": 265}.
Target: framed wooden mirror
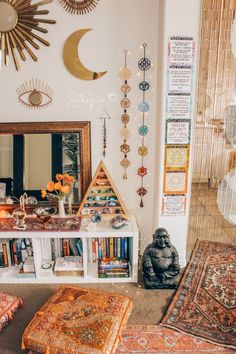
{"x": 31, "y": 154}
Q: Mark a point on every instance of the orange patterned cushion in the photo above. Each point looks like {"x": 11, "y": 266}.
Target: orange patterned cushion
{"x": 8, "y": 306}
{"x": 78, "y": 320}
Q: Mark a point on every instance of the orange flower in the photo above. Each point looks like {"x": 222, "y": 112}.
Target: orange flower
{"x": 50, "y": 186}
{"x": 43, "y": 193}
{"x": 65, "y": 189}
{"x": 71, "y": 179}
{"x": 57, "y": 186}
{"x": 59, "y": 177}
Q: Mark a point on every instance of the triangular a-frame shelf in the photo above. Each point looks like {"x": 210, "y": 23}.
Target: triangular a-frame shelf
{"x": 102, "y": 196}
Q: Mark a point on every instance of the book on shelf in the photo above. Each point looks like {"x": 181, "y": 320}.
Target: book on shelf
{"x": 63, "y": 247}
{"x": 113, "y": 267}
{"x": 105, "y": 247}
{"x": 69, "y": 266}
{"x": 28, "y": 265}
{"x": 23, "y": 274}
{"x": 13, "y": 252}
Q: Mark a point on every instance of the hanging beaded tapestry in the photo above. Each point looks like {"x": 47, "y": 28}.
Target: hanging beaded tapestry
{"x": 125, "y": 74}
{"x": 144, "y": 64}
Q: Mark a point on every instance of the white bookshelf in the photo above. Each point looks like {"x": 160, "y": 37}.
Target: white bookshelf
{"x": 41, "y": 241}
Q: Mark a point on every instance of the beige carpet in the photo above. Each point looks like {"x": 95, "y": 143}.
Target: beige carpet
{"x": 148, "y": 307}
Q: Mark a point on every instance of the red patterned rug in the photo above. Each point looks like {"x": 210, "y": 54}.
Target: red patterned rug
{"x": 158, "y": 339}
{"x": 204, "y": 305}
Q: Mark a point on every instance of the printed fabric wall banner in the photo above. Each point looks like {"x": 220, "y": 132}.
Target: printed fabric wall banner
{"x": 173, "y": 205}
{"x": 175, "y": 182}
{"x": 181, "y": 50}
{"x": 176, "y": 157}
{"x": 178, "y": 131}
{"x": 180, "y": 79}
{"x": 179, "y": 105}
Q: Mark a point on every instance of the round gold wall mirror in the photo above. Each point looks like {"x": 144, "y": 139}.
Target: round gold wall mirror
{"x": 35, "y": 98}
{"x": 18, "y": 23}
{"x": 8, "y": 17}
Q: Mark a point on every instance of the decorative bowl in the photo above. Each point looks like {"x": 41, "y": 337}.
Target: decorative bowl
{"x": 44, "y": 212}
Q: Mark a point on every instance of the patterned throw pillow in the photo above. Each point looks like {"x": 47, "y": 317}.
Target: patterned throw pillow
{"x": 8, "y": 306}
{"x": 78, "y": 320}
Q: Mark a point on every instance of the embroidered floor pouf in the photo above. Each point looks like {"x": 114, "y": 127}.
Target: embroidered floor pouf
{"x": 8, "y": 306}
{"x": 78, "y": 320}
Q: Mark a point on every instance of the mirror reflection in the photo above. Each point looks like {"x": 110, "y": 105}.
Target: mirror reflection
{"x": 29, "y": 161}
{"x": 37, "y": 161}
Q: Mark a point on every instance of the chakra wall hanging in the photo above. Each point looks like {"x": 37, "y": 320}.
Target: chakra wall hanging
{"x": 125, "y": 74}
{"x": 79, "y": 7}
{"x": 35, "y": 94}
{"x": 72, "y": 60}
{"x": 17, "y": 22}
{"x": 104, "y": 117}
{"x": 144, "y": 64}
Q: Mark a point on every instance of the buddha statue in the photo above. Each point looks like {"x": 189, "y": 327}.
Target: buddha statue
{"x": 160, "y": 262}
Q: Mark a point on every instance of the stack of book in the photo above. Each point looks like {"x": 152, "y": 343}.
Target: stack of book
{"x": 27, "y": 268}
{"x": 113, "y": 267}
{"x": 69, "y": 266}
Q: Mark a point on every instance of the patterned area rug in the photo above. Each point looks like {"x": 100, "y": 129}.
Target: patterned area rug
{"x": 158, "y": 339}
{"x": 204, "y": 305}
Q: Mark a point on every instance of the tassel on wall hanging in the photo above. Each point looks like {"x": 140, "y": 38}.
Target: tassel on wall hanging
{"x": 144, "y": 64}
{"x": 125, "y": 74}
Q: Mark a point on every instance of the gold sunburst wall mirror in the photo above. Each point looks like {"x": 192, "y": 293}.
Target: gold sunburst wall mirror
{"x": 72, "y": 59}
{"x": 18, "y": 20}
{"x": 35, "y": 94}
{"x": 79, "y": 7}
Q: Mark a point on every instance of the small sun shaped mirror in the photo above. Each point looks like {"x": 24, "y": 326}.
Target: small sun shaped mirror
{"x": 79, "y": 7}
{"x": 17, "y": 22}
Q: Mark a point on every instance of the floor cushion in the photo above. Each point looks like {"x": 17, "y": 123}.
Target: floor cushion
{"x": 78, "y": 320}
{"x": 8, "y": 306}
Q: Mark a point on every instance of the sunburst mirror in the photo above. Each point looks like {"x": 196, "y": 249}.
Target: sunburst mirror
{"x": 79, "y": 7}
{"x": 18, "y": 20}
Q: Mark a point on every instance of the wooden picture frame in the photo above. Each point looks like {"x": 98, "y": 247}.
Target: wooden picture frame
{"x": 82, "y": 128}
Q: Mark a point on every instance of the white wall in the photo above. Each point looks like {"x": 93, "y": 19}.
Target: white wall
{"x": 179, "y": 17}
{"x": 116, "y": 25}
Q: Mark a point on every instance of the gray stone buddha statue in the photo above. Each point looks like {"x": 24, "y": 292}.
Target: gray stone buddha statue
{"x": 160, "y": 262}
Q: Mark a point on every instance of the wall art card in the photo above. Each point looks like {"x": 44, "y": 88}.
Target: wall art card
{"x": 175, "y": 182}
{"x": 178, "y": 131}
{"x": 179, "y": 105}
{"x": 181, "y": 50}
{"x": 173, "y": 205}
{"x": 2, "y": 190}
{"x": 176, "y": 157}
{"x": 180, "y": 79}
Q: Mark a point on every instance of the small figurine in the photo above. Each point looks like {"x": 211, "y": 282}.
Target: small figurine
{"x": 160, "y": 262}
{"x": 119, "y": 221}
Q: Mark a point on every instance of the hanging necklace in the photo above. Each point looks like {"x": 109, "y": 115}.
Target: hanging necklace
{"x": 144, "y": 64}
{"x": 125, "y": 74}
{"x": 104, "y": 117}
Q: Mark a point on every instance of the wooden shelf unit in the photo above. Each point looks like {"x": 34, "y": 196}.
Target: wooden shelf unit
{"x": 42, "y": 240}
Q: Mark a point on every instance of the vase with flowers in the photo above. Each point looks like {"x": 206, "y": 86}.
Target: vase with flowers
{"x": 59, "y": 190}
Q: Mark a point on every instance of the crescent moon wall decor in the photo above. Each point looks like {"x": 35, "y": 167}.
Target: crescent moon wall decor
{"x": 79, "y": 7}
{"x": 72, "y": 60}
{"x": 17, "y": 22}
